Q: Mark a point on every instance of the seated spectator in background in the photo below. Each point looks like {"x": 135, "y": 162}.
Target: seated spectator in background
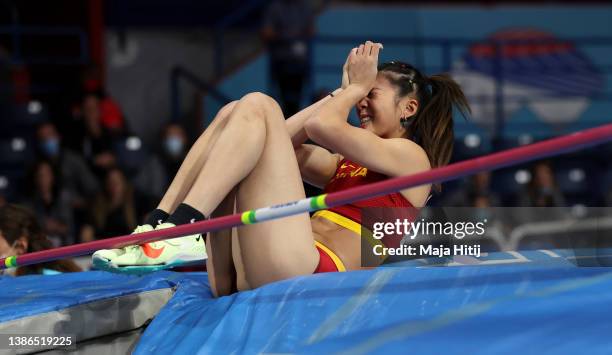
{"x": 115, "y": 211}
{"x": 111, "y": 116}
{"x": 542, "y": 190}
{"x": 98, "y": 141}
{"x": 475, "y": 190}
{"x": 50, "y": 203}
{"x": 157, "y": 173}
{"x": 75, "y": 175}
{"x": 91, "y": 78}
{"x": 287, "y": 28}
{"x": 20, "y": 233}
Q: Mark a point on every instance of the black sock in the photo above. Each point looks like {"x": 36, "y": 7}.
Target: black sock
{"x": 156, "y": 217}
{"x": 185, "y": 214}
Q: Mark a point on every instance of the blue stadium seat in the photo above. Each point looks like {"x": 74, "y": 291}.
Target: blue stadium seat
{"x": 22, "y": 119}
{"x": 605, "y": 186}
{"x": 10, "y": 182}
{"x": 130, "y": 154}
{"x": 31, "y": 114}
{"x": 579, "y": 178}
{"x": 28, "y": 114}
{"x": 15, "y": 151}
{"x": 509, "y": 183}
{"x": 471, "y": 145}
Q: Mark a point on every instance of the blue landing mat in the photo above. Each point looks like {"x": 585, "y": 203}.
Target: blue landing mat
{"x": 31, "y": 295}
{"x": 525, "y": 309}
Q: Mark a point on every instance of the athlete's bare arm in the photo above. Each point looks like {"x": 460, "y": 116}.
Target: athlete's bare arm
{"x": 317, "y": 165}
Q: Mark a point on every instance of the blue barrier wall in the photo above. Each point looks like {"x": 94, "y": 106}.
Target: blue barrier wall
{"x": 560, "y": 86}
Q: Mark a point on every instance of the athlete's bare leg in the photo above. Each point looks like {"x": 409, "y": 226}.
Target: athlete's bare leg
{"x": 191, "y": 166}
{"x": 254, "y": 153}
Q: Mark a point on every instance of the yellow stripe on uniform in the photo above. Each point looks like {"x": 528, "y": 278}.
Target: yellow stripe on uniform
{"x": 350, "y": 225}
{"x": 339, "y": 220}
{"x": 339, "y": 264}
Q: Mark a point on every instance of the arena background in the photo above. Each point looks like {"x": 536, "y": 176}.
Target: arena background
{"x": 100, "y": 99}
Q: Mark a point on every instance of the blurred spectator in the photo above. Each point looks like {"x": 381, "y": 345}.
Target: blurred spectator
{"x": 111, "y": 117}
{"x": 115, "y": 211}
{"x": 91, "y": 78}
{"x": 75, "y": 175}
{"x": 98, "y": 141}
{"x": 159, "y": 170}
{"x": 542, "y": 190}
{"x": 20, "y": 233}
{"x": 73, "y": 128}
{"x": 476, "y": 192}
{"x": 287, "y": 28}
{"x": 51, "y": 204}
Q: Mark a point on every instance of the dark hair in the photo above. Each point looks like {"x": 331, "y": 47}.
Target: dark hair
{"x": 102, "y": 206}
{"x": 432, "y": 125}
{"x": 32, "y": 176}
{"x": 533, "y": 189}
{"x": 17, "y": 222}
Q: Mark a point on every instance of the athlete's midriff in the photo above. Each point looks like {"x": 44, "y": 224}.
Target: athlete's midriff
{"x": 346, "y": 243}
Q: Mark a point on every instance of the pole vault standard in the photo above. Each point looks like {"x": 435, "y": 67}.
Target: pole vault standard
{"x": 555, "y": 146}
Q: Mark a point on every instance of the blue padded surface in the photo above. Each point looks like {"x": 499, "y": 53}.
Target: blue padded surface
{"x": 527, "y": 309}
{"x": 543, "y": 306}
{"x": 29, "y": 295}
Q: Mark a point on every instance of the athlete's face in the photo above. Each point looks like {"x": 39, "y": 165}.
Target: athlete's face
{"x": 381, "y": 110}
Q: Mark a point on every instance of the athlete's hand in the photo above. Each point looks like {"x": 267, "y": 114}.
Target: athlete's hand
{"x": 362, "y": 65}
{"x": 345, "y": 76}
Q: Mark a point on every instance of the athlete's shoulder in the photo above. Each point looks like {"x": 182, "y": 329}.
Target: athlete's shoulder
{"x": 409, "y": 149}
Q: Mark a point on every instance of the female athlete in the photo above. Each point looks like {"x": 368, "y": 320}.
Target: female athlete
{"x": 251, "y": 157}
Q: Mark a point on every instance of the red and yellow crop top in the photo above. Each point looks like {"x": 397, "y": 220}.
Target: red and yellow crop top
{"x": 350, "y": 174}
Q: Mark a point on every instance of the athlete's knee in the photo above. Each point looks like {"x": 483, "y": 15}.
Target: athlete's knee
{"x": 222, "y": 115}
{"x": 227, "y": 108}
{"x": 260, "y": 101}
{"x": 257, "y": 97}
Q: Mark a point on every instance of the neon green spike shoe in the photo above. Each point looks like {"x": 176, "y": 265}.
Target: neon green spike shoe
{"x": 102, "y": 259}
{"x": 148, "y": 257}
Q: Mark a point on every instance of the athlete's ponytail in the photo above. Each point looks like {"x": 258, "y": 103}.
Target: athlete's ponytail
{"x": 433, "y": 124}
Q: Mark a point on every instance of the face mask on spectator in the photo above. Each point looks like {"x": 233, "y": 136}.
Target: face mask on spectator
{"x": 174, "y": 146}
{"x": 50, "y": 147}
